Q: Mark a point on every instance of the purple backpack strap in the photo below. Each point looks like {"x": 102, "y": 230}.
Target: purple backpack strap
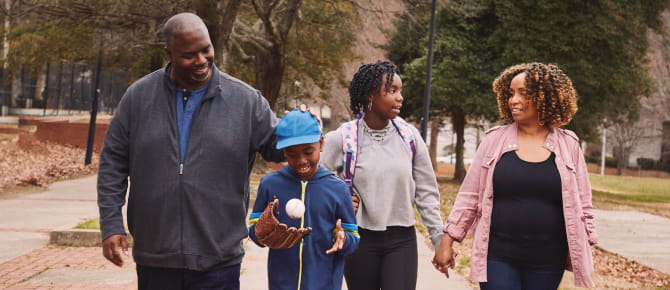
{"x": 349, "y": 149}
{"x": 405, "y": 131}
{"x": 350, "y": 145}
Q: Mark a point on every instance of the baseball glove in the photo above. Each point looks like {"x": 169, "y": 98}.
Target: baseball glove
{"x": 275, "y": 235}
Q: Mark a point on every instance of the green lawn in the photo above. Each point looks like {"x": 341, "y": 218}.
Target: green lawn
{"x": 91, "y": 224}
{"x": 643, "y": 189}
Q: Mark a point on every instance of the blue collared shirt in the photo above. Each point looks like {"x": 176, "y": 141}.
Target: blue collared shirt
{"x": 187, "y": 103}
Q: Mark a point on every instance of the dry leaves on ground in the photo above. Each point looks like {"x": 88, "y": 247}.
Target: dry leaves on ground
{"x": 28, "y": 161}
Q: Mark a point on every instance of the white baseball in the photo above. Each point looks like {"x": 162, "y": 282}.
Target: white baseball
{"x": 295, "y": 208}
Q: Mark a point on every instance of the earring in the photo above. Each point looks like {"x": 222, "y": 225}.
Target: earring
{"x": 370, "y": 106}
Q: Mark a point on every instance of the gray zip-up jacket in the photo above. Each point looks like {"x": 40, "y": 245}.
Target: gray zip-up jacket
{"x": 189, "y": 215}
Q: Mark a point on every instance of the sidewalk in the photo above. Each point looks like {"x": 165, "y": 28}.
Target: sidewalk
{"x": 26, "y": 262}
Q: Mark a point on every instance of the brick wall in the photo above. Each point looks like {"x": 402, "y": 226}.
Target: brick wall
{"x": 72, "y": 133}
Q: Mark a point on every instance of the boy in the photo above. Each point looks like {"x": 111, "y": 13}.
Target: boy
{"x": 307, "y": 252}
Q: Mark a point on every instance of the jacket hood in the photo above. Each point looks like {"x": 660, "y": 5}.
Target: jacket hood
{"x": 320, "y": 173}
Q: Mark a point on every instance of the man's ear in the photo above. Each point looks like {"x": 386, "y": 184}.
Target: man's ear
{"x": 321, "y": 144}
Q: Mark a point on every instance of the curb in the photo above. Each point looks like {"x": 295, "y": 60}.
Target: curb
{"x": 79, "y": 238}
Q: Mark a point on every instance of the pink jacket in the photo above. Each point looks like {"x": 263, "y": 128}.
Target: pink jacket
{"x": 474, "y": 203}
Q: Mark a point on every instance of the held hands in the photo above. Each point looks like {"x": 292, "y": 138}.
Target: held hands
{"x": 340, "y": 238}
{"x": 445, "y": 256}
{"x": 110, "y": 248}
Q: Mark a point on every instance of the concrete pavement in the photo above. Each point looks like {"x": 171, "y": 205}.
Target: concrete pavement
{"x": 26, "y": 220}
{"x": 26, "y": 262}
{"x": 255, "y": 261}
{"x": 638, "y": 236}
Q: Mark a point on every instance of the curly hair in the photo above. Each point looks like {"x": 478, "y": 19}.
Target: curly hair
{"x": 548, "y": 87}
{"x": 367, "y": 81}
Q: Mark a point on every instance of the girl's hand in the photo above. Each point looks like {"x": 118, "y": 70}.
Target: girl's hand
{"x": 445, "y": 256}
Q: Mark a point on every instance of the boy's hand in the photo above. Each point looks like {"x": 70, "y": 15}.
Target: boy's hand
{"x": 340, "y": 238}
{"x": 275, "y": 235}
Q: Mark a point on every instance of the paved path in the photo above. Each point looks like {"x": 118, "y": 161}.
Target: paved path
{"x": 638, "y": 236}
{"x": 26, "y": 262}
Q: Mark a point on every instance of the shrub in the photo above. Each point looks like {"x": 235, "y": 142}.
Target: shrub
{"x": 646, "y": 163}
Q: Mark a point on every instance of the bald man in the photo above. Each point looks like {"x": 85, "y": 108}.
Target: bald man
{"x": 185, "y": 136}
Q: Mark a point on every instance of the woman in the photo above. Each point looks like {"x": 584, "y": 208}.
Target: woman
{"x": 391, "y": 173}
{"x": 527, "y": 195}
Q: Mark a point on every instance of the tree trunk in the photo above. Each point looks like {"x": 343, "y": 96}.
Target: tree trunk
{"x": 16, "y": 85}
{"x": 458, "y": 125}
{"x": 40, "y": 85}
{"x": 622, "y": 161}
{"x": 269, "y": 65}
{"x": 435, "y": 125}
{"x": 276, "y": 22}
{"x": 219, "y": 16}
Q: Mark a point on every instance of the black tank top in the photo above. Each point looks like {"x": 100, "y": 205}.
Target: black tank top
{"x": 527, "y": 224}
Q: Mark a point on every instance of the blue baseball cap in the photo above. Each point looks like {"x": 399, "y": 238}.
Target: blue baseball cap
{"x": 297, "y": 127}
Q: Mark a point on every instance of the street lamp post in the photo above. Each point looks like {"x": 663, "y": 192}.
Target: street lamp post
{"x": 429, "y": 73}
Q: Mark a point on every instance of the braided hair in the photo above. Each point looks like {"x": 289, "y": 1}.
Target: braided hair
{"x": 368, "y": 81}
{"x": 549, "y": 88}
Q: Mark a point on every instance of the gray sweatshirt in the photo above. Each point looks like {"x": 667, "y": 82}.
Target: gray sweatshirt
{"x": 386, "y": 182}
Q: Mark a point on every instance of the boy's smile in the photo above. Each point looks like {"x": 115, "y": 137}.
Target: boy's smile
{"x": 304, "y": 158}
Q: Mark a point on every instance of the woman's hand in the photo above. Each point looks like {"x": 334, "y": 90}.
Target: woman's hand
{"x": 445, "y": 255}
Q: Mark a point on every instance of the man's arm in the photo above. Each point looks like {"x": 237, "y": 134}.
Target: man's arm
{"x": 264, "y": 123}
{"x": 113, "y": 183}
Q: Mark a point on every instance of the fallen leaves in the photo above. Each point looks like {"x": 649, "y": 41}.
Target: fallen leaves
{"x": 27, "y": 161}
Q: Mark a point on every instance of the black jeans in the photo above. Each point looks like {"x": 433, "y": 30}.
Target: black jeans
{"x": 150, "y": 278}
{"x": 384, "y": 260}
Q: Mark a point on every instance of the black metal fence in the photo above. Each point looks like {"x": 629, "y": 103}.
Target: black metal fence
{"x": 61, "y": 89}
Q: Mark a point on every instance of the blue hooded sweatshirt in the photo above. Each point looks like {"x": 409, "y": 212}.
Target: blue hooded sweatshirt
{"x": 326, "y": 199}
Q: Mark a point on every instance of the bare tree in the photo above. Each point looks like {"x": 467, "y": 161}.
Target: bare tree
{"x": 626, "y": 135}
{"x": 266, "y": 39}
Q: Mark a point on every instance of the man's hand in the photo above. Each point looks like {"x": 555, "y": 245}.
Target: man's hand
{"x": 355, "y": 201}
{"x": 340, "y": 238}
{"x": 110, "y": 248}
{"x": 445, "y": 256}
{"x": 304, "y": 108}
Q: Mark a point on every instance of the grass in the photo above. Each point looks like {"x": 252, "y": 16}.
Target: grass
{"x": 632, "y": 197}
{"x": 645, "y": 186}
{"x": 645, "y": 194}
{"x": 89, "y": 224}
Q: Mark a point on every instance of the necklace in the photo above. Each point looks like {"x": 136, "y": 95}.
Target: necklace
{"x": 376, "y": 135}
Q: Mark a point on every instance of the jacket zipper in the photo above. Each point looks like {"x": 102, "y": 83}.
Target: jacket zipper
{"x": 303, "y": 187}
